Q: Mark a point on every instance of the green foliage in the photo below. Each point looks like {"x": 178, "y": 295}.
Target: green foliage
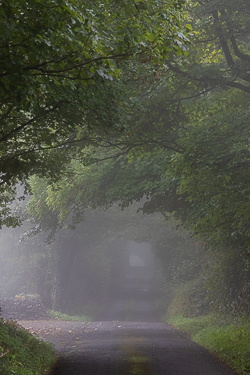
{"x": 62, "y": 78}
{"x": 186, "y": 152}
{"x": 228, "y": 339}
{"x": 227, "y": 282}
{"x": 188, "y": 298}
{"x": 214, "y": 172}
{"x": 196, "y": 324}
{"x": 21, "y": 353}
{"x": 57, "y": 315}
{"x": 97, "y": 185}
{"x": 175, "y": 136}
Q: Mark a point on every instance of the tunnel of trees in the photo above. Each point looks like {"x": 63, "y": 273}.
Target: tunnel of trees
{"x": 121, "y": 122}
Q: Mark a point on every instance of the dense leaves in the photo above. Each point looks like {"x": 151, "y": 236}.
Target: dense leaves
{"x": 63, "y": 67}
{"x": 184, "y": 144}
{"x": 187, "y": 150}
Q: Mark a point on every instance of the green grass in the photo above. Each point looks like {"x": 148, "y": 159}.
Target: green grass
{"x": 61, "y": 316}
{"x": 225, "y": 337}
{"x": 21, "y": 353}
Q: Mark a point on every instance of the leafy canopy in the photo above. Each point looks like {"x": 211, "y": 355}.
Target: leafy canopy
{"x": 62, "y": 76}
{"x": 197, "y": 109}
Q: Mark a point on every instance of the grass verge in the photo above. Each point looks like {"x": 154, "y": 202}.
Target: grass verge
{"x": 227, "y": 338}
{"x": 61, "y": 316}
{"x": 21, "y": 353}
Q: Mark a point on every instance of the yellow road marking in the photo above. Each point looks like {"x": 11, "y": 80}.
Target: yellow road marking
{"x": 138, "y": 363}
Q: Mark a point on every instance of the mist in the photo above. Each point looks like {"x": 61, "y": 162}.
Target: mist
{"x": 115, "y": 265}
{"x": 81, "y": 271}
{"x": 124, "y": 183}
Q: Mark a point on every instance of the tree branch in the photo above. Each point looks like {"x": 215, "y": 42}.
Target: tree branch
{"x": 3, "y": 354}
{"x": 239, "y": 86}
{"x": 236, "y": 50}
{"x": 222, "y": 40}
{"x": 20, "y": 127}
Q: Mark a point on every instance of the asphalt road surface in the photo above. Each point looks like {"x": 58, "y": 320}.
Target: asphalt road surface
{"x": 128, "y": 339}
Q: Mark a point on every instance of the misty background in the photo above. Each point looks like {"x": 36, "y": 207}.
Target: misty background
{"x": 82, "y": 271}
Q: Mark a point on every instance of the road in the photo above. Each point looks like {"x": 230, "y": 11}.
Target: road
{"x": 128, "y": 339}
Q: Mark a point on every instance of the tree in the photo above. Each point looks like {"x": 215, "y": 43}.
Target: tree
{"x": 188, "y": 150}
{"x": 100, "y": 185}
{"x": 200, "y": 112}
{"x": 62, "y": 75}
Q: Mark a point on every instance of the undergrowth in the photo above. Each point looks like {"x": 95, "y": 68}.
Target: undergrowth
{"x": 227, "y": 338}
{"x": 61, "y": 316}
{"x": 21, "y": 353}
